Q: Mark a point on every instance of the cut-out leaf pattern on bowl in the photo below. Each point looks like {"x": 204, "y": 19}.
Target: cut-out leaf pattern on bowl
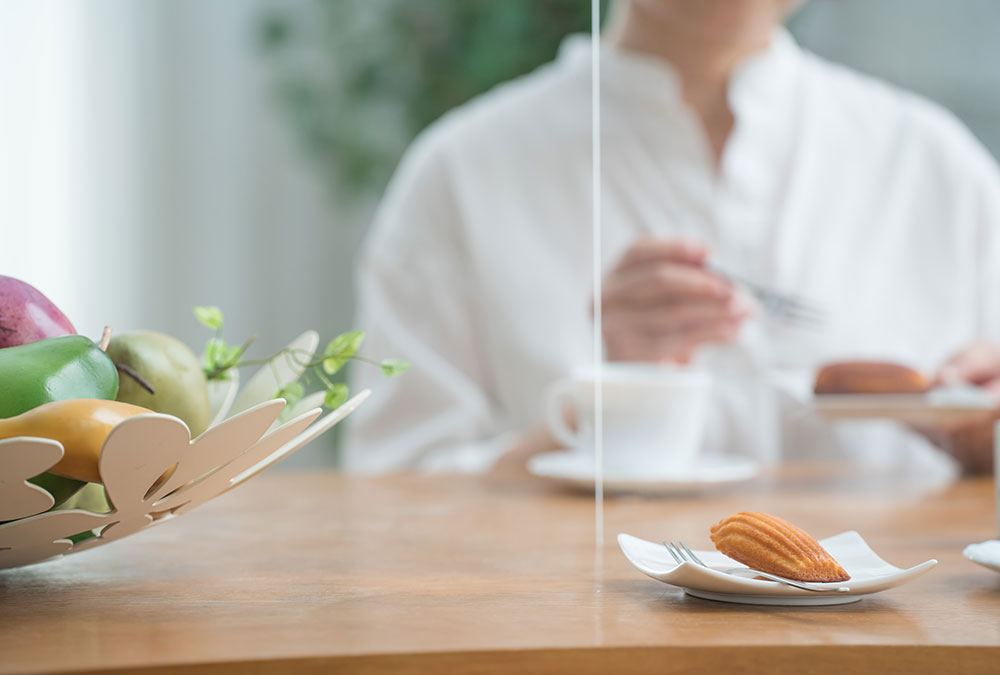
{"x": 152, "y": 471}
{"x": 20, "y": 459}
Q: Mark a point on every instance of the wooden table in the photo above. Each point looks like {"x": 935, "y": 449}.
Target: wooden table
{"x": 297, "y": 573}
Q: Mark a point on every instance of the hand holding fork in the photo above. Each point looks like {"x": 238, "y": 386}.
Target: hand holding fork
{"x": 663, "y": 300}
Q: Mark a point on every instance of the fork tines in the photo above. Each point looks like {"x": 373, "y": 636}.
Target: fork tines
{"x": 681, "y": 553}
{"x": 782, "y": 305}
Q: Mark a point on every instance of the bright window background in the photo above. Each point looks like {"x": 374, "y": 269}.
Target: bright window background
{"x": 146, "y": 164}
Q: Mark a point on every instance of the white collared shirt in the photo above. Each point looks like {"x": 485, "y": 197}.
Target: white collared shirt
{"x": 870, "y": 201}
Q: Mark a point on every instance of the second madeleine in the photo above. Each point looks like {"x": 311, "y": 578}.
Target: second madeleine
{"x": 869, "y": 377}
{"x": 771, "y": 544}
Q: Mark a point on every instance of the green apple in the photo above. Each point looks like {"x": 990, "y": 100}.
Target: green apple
{"x": 91, "y": 498}
{"x": 60, "y": 488}
{"x": 171, "y": 369}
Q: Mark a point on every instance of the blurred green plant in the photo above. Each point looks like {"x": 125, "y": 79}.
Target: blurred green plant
{"x": 358, "y": 79}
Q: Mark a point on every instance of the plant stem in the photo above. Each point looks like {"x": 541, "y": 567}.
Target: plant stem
{"x": 322, "y": 376}
{"x": 139, "y": 379}
{"x": 300, "y": 357}
{"x": 364, "y": 360}
{"x": 222, "y": 368}
{"x": 308, "y": 363}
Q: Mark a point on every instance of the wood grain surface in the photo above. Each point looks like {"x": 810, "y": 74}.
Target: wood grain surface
{"x": 310, "y": 573}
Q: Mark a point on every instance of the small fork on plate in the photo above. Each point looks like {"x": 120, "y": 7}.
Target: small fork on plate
{"x": 779, "y": 305}
{"x": 681, "y": 553}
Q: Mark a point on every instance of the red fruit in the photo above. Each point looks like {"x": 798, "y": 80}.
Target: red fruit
{"x": 28, "y": 316}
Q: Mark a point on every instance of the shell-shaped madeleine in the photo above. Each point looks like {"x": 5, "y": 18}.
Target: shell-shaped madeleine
{"x": 869, "y": 377}
{"x": 771, "y": 544}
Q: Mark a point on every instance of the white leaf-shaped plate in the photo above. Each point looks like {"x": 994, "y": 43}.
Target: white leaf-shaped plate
{"x": 986, "y": 553}
{"x": 869, "y": 573}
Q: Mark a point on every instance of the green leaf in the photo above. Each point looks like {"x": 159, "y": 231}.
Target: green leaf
{"x": 232, "y": 356}
{"x": 333, "y": 364}
{"x": 340, "y": 350}
{"x": 220, "y": 357}
{"x": 214, "y": 350}
{"x": 345, "y": 345}
{"x": 393, "y": 367}
{"x": 335, "y": 395}
{"x": 292, "y": 393}
{"x": 210, "y": 316}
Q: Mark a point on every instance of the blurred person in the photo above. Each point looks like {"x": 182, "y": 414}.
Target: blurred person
{"x": 722, "y": 140}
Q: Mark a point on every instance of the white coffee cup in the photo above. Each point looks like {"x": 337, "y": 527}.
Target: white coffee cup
{"x": 653, "y": 416}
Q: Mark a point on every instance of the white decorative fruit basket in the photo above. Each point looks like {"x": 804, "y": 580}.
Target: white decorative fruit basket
{"x": 151, "y": 468}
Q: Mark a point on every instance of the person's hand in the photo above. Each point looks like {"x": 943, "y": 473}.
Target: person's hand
{"x": 970, "y": 442}
{"x": 978, "y": 365}
{"x": 660, "y": 303}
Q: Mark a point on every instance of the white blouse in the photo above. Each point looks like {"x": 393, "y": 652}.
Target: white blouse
{"x": 873, "y": 203}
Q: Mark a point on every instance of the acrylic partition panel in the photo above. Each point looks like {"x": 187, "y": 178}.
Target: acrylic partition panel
{"x": 419, "y": 172}
{"x": 738, "y": 245}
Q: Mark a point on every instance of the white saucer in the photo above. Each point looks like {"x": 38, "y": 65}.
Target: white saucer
{"x": 869, "y": 573}
{"x": 986, "y": 553}
{"x": 577, "y": 470}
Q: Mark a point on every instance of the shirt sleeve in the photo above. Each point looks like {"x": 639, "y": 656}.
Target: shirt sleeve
{"x": 987, "y": 205}
{"x": 418, "y": 302}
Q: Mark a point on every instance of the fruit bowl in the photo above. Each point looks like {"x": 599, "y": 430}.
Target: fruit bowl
{"x": 153, "y": 470}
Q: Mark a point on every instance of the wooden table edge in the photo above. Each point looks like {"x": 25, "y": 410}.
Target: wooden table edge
{"x": 728, "y": 659}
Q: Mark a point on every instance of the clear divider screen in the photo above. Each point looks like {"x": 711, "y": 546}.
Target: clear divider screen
{"x": 606, "y": 246}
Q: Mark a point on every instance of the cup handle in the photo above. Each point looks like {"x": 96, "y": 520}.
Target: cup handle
{"x": 558, "y": 396}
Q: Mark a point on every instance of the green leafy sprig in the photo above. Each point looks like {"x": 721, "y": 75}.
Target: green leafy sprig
{"x": 221, "y": 357}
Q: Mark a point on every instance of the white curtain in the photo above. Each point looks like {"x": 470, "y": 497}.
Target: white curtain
{"x": 41, "y": 74}
{"x": 144, "y": 169}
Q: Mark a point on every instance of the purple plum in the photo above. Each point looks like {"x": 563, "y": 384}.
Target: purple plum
{"x": 28, "y": 316}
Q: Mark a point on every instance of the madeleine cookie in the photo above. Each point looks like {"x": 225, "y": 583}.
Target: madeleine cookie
{"x": 770, "y": 544}
{"x": 869, "y": 377}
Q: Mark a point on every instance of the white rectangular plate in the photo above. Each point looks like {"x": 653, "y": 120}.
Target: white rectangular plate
{"x": 947, "y": 405}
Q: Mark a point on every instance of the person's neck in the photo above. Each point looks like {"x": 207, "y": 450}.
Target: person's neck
{"x": 704, "y": 67}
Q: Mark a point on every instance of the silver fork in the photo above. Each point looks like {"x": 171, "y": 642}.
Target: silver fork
{"x": 780, "y": 305}
{"x": 681, "y": 553}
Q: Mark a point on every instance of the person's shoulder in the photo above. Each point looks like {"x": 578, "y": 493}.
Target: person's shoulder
{"x": 498, "y": 128}
{"x": 877, "y": 113}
